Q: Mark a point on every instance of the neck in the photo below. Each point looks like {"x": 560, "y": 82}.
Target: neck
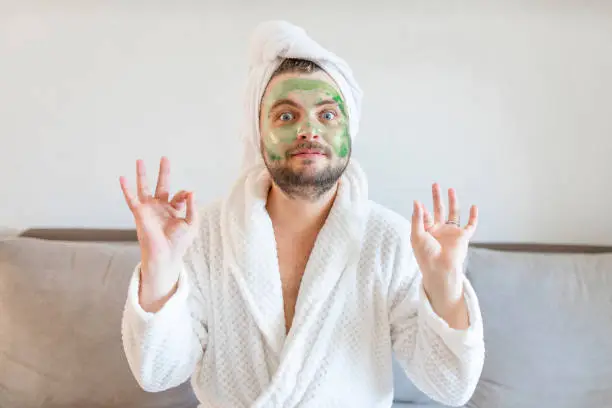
{"x": 299, "y": 215}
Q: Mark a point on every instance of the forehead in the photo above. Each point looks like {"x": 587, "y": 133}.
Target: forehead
{"x": 282, "y": 85}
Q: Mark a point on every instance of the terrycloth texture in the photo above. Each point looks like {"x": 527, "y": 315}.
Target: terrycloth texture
{"x": 60, "y": 308}
{"x": 360, "y": 297}
{"x": 548, "y": 329}
{"x": 404, "y": 390}
{"x": 271, "y": 42}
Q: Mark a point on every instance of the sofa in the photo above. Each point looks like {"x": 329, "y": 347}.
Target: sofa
{"x": 547, "y": 313}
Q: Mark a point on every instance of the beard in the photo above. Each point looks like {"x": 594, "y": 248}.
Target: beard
{"x": 306, "y": 184}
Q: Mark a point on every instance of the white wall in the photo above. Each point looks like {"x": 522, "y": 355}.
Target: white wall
{"x": 509, "y": 102}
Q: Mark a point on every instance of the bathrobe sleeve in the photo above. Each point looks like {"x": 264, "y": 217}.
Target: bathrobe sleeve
{"x": 442, "y": 362}
{"x": 163, "y": 348}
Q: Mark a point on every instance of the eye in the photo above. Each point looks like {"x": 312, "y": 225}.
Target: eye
{"x": 286, "y": 116}
{"x": 328, "y": 115}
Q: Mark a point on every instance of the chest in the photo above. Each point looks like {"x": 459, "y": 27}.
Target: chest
{"x": 293, "y": 254}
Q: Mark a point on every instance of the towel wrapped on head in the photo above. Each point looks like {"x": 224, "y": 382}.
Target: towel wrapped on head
{"x": 271, "y": 43}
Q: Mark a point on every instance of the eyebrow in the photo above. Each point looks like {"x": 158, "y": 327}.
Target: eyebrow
{"x": 289, "y": 102}
{"x": 281, "y": 102}
{"x": 326, "y": 102}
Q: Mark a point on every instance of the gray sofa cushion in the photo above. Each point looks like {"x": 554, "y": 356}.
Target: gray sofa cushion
{"x": 547, "y": 327}
{"x": 60, "y": 319}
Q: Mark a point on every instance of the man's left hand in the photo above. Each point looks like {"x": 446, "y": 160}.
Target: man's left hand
{"x": 440, "y": 247}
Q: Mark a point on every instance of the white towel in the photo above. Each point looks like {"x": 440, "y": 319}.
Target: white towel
{"x": 271, "y": 42}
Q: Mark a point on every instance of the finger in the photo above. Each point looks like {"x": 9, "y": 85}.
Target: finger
{"x": 163, "y": 180}
{"x": 438, "y": 205}
{"x": 130, "y": 199}
{"x": 470, "y": 228}
{"x": 418, "y": 227}
{"x": 453, "y": 204}
{"x": 179, "y": 199}
{"x": 427, "y": 219}
{"x": 191, "y": 215}
{"x": 141, "y": 181}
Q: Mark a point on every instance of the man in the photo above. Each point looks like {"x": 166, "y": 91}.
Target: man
{"x": 295, "y": 289}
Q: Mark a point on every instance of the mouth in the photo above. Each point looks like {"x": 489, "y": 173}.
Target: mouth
{"x": 308, "y": 153}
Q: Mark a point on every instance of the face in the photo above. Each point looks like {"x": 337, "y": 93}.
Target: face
{"x": 305, "y": 138}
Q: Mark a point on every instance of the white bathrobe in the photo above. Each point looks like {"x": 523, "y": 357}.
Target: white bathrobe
{"x": 360, "y": 299}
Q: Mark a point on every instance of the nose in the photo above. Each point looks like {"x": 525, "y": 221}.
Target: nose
{"x": 307, "y": 132}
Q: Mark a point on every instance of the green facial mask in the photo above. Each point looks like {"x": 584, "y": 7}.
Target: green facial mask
{"x": 281, "y": 127}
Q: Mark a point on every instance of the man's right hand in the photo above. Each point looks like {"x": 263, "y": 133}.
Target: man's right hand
{"x": 163, "y": 233}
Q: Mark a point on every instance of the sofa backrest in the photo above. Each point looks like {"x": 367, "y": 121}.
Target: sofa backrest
{"x": 61, "y": 305}
{"x": 547, "y": 313}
